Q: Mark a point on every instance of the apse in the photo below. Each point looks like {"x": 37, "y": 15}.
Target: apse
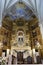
{"x": 18, "y": 11}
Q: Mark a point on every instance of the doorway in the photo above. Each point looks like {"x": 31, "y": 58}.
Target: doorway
{"x": 20, "y": 57}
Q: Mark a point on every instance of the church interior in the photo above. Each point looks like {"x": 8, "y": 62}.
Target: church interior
{"x": 21, "y": 39}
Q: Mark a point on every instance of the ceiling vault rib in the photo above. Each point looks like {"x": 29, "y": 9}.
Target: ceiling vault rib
{"x": 28, "y": 5}
{"x": 36, "y": 7}
{"x": 9, "y": 3}
{"x": 39, "y": 11}
{"x": 31, "y": 4}
{"x": 14, "y": 1}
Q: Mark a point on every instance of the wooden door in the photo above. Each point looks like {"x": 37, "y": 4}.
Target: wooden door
{"x": 20, "y": 57}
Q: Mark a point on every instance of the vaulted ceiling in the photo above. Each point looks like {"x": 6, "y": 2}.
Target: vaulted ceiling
{"x": 36, "y": 6}
{"x": 18, "y": 10}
